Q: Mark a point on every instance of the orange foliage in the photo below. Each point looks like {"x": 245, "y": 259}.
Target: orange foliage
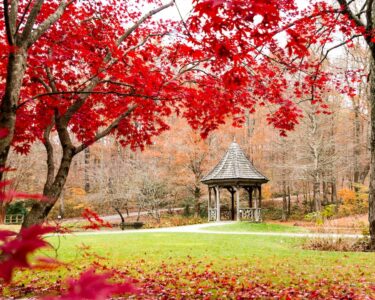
{"x": 353, "y": 202}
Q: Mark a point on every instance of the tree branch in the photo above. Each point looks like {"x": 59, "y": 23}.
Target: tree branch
{"x": 31, "y": 20}
{"x": 106, "y": 131}
{"x": 50, "y": 157}
{"x": 23, "y": 16}
{"x": 141, "y": 20}
{"x": 42, "y": 28}
{"x": 347, "y": 10}
{"x": 339, "y": 45}
{"x": 95, "y": 80}
{"x": 8, "y": 25}
{"x": 13, "y": 16}
{"x": 88, "y": 93}
{"x": 369, "y": 26}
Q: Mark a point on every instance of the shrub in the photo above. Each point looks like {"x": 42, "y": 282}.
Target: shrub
{"x": 176, "y": 220}
{"x": 353, "y": 202}
{"x": 337, "y": 244}
{"x": 266, "y": 192}
{"x": 74, "y": 204}
{"x": 320, "y": 216}
{"x": 272, "y": 213}
{"x": 16, "y": 208}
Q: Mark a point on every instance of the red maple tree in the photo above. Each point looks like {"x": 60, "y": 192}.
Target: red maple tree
{"x": 106, "y": 68}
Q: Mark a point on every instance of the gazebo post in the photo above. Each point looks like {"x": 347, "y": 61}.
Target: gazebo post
{"x": 260, "y": 204}
{"x": 209, "y": 204}
{"x": 238, "y": 202}
{"x": 250, "y": 191}
{"x": 232, "y": 191}
{"x": 217, "y": 203}
{"x": 260, "y": 196}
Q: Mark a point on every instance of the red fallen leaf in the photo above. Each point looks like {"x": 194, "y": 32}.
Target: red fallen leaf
{"x": 94, "y": 286}
{"x": 46, "y": 263}
{"x": 15, "y": 252}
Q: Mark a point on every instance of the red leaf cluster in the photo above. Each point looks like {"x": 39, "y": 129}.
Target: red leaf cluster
{"x": 16, "y": 248}
{"x": 7, "y": 195}
{"x": 230, "y": 56}
{"x": 4, "y": 132}
{"x": 95, "y": 221}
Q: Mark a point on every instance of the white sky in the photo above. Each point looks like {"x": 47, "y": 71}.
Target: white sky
{"x": 171, "y": 13}
{"x": 186, "y": 5}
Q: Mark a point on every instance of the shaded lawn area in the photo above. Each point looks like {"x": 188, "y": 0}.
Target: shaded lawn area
{"x": 212, "y": 266}
{"x": 256, "y": 227}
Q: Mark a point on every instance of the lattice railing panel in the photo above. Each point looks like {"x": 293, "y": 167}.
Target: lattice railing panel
{"x": 212, "y": 214}
{"x": 14, "y": 219}
{"x": 251, "y": 214}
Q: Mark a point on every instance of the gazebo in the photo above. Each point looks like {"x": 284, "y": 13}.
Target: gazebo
{"x": 234, "y": 172}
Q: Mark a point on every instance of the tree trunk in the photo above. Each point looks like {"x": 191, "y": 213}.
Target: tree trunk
{"x": 284, "y": 216}
{"x": 139, "y": 213}
{"x": 289, "y": 202}
{"x": 197, "y": 204}
{"x": 3, "y": 204}
{"x": 9, "y": 102}
{"x": 371, "y": 216}
{"x": 325, "y": 191}
{"x": 62, "y": 205}
{"x": 316, "y": 194}
{"x": 122, "y": 225}
{"x": 357, "y": 147}
{"x": 40, "y": 210}
{"x": 87, "y": 166}
{"x": 3, "y": 208}
{"x": 364, "y": 173}
{"x": 334, "y": 192}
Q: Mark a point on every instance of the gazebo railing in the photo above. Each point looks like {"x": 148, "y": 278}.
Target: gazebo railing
{"x": 225, "y": 214}
{"x": 251, "y": 214}
{"x": 212, "y": 215}
{"x": 245, "y": 214}
{"x": 14, "y": 219}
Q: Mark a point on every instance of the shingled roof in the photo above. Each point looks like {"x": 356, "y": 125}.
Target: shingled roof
{"x": 234, "y": 166}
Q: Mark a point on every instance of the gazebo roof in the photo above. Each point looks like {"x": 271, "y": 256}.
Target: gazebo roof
{"x": 234, "y": 167}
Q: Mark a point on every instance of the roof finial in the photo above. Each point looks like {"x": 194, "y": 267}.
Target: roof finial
{"x": 234, "y": 138}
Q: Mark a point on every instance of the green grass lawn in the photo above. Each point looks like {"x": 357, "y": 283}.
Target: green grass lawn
{"x": 256, "y": 227}
{"x": 267, "y": 254}
{"x": 275, "y": 261}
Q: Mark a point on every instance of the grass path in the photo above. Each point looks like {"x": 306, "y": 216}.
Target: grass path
{"x": 226, "y": 228}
